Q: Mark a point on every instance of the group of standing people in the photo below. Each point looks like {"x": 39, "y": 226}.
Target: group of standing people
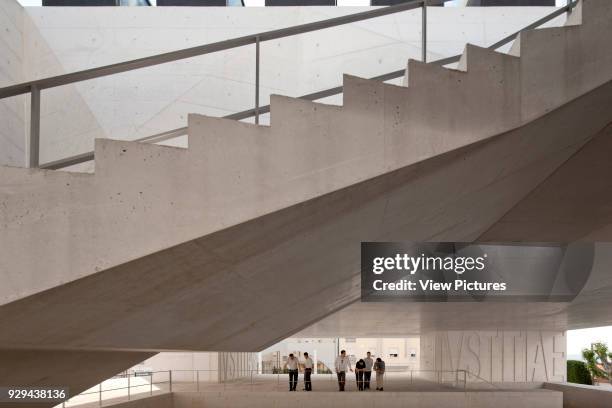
{"x": 293, "y": 365}
{"x": 363, "y": 371}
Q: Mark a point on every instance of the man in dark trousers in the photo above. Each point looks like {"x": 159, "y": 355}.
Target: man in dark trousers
{"x": 342, "y": 364}
{"x": 293, "y": 366}
{"x": 308, "y": 366}
{"x": 359, "y": 370}
{"x": 367, "y": 373}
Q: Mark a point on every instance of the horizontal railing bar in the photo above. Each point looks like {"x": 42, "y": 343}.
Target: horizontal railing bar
{"x": 447, "y": 60}
{"x": 159, "y": 137}
{"x": 68, "y": 161}
{"x": 533, "y": 25}
{"x": 158, "y": 59}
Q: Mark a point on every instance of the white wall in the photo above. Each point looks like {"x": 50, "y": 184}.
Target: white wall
{"x": 183, "y": 365}
{"x": 212, "y": 366}
{"x": 12, "y": 110}
{"x": 143, "y": 102}
{"x": 498, "y": 356}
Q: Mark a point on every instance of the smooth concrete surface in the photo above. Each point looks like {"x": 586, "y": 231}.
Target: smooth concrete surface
{"x": 589, "y": 309}
{"x": 276, "y": 264}
{"x": 165, "y": 400}
{"x": 572, "y": 204}
{"x": 63, "y": 110}
{"x": 81, "y": 224}
{"x": 580, "y": 396}
{"x": 183, "y": 365}
{"x": 478, "y": 399}
{"x": 145, "y": 102}
{"x": 12, "y": 110}
{"x": 115, "y": 391}
{"x": 75, "y": 369}
{"x": 184, "y": 287}
{"x": 157, "y": 401}
{"x": 400, "y": 319}
{"x": 218, "y": 367}
{"x": 211, "y": 247}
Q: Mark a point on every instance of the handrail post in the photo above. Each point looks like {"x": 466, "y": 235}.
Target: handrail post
{"x": 170, "y": 379}
{"x": 151, "y": 383}
{"x": 257, "y": 80}
{"x": 100, "y": 395}
{"x": 424, "y": 31}
{"x": 198, "y": 380}
{"x": 34, "y": 126}
{"x": 129, "y": 393}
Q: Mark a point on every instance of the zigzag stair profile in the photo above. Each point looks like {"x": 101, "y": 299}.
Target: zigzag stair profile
{"x": 244, "y": 171}
{"x": 206, "y": 240}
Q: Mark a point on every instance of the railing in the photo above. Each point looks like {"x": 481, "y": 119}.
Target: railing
{"x": 146, "y": 384}
{"x": 35, "y": 87}
{"x": 476, "y": 379}
{"x": 123, "y": 387}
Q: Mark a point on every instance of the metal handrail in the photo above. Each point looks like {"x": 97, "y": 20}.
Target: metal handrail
{"x": 185, "y": 53}
{"x": 476, "y": 376}
{"x": 245, "y": 373}
{"x": 35, "y": 87}
{"x": 171, "y": 134}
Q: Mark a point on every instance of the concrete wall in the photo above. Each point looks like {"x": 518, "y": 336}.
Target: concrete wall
{"x": 183, "y": 365}
{"x": 497, "y": 356}
{"x": 212, "y": 366}
{"x": 151, "y": 100}
{"x": 12, "y": 110}
{"x": 580, "y": 396}
{"x": 502, "y": 399}
{"x": 64, "y": 113}
{"x": 235, "y": 365}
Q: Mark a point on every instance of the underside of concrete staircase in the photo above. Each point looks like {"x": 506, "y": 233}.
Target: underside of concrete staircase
{"x": 204, "y": 248}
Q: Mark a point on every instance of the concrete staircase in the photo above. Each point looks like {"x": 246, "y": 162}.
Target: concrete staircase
{"x": 252, "y": 233}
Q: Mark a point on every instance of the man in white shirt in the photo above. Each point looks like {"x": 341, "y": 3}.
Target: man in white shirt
{"x": 308, "y": 365}
{"x": 369, "y": 362}
{"x": 342, "y": 365}
{"x": 293, "y": 366}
